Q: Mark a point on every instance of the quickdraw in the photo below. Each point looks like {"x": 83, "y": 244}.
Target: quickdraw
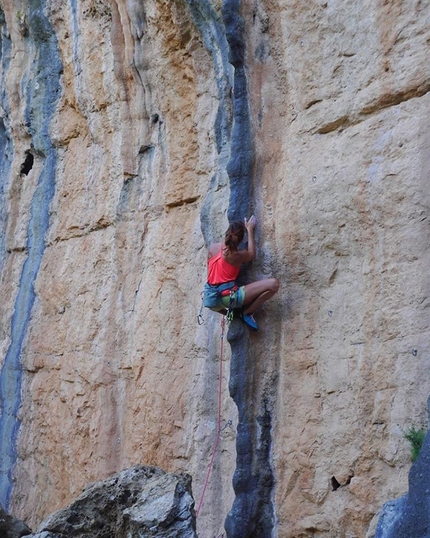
{"x": 200, "y": 319}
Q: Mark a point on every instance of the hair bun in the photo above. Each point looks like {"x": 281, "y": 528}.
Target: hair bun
{"x": 234, "y": 235}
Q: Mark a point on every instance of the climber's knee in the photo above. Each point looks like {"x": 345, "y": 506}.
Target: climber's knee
{"x": 274, "y": 285}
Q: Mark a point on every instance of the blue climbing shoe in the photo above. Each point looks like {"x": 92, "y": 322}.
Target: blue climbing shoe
{"x": 250, "y": 321}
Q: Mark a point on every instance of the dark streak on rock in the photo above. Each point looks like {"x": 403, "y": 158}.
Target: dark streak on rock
{"x": 409, "y": 515}
{"x": 252, "y": 513}
{"x": 42, "y": 90}
{"x": 6, "y": 146}
{"x": 212, "y": 31}
{"x": 241, "y": 160}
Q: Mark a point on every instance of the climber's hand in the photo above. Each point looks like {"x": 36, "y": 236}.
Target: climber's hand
{"x": 250, "y": 223}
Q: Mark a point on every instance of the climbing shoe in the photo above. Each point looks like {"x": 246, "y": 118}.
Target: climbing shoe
{"x": 250, "y": 321}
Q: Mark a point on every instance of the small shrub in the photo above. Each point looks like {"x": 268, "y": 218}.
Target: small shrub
{"x": 415, "y": 438}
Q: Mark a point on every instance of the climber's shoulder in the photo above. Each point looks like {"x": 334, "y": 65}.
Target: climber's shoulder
{"x": 242, "y": 256}
{"x": 214, "y": 249}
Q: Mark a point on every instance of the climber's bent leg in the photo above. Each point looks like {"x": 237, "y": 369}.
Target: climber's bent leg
{"x": 258, "y": 293}
{"x": 235, "y": 300}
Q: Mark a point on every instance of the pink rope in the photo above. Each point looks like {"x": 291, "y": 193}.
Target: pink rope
{"x": 218, "y": 435}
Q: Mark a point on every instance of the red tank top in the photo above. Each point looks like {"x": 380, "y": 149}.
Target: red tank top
{"x": 220, "y": 271}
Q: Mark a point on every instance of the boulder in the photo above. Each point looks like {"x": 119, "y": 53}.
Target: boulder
{"x": 140, "y": 501}
{"x": 10, "y": 527}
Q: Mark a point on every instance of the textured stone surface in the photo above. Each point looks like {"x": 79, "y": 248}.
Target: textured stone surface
{"x": 11, "y": 527}
{"x": 410, "y": 515}
{"x": 140, "y": 501}
{"x": 149, "y": 123}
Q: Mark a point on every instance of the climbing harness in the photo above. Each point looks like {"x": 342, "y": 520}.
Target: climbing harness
{"x": 212, "y": 292}
{"x": 218, "y": 435}
{"x": 230, "y": 309}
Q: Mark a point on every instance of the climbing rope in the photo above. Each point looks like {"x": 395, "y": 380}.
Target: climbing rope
{"x": 219, "y": 420}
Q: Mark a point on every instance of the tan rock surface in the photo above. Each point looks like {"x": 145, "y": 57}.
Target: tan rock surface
{"x": 116, "y": 369}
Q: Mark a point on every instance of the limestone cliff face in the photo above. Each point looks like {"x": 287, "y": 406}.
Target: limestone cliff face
{"x": 130, "y": 133}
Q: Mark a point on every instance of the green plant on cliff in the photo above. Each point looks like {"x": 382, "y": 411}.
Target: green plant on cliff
{"x": 415, "y": 438}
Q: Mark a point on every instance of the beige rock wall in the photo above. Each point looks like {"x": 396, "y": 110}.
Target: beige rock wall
{"x": 116, "y": 369}
{"x": 346, "y": 224}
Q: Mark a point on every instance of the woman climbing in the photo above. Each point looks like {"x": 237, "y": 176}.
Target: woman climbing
{"x": 224, "y": 261}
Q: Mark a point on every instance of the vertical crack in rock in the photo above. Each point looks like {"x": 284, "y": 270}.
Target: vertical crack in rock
{"x": 42, "y": 92}
{"x": 239, "y": 166}
{"x": 241, "y": 520}
{"x": 211, "y": 29}
{"x": 252, "y": 513}
{"x": 6, "y": 149}
{"x": 213, "y": 35}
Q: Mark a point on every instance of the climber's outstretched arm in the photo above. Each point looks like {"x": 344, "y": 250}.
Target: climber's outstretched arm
{"x": 245, "y": 255}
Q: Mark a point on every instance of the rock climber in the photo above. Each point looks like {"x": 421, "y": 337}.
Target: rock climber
{"x": 224, "y": 260}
